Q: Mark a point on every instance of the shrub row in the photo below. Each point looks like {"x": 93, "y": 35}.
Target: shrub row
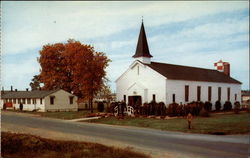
{"x": 194, "y": 108}
{"x": 174, "y": 109}
{"x": 152, "y": 108}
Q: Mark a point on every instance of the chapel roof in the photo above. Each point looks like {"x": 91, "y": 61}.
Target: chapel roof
{"x": 179, "y": 72}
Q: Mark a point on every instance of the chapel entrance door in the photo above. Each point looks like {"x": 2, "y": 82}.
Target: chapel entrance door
{"x": 134, "y": 100}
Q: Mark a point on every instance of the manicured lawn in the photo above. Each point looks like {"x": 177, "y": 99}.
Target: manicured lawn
{"x": 216, "y": 123}
{"x": 66, "y": 115}
{"x": 60, "y": 115}
{"x": 23, "y": 145}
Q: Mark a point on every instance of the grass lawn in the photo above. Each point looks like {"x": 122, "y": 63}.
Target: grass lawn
{"x": 23, "y": 145}
{"x": 66, "y": 115}
{"x": 60, "y": 115}
{"x": 216, "y": 123}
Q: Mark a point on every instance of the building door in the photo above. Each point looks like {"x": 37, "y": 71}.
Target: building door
{"x": 134, "y": 100}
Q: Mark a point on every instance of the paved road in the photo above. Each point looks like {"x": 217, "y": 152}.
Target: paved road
{"x": 178, "y": 144}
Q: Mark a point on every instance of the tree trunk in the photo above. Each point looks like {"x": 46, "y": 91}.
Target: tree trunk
{"x": 91, "y": 104}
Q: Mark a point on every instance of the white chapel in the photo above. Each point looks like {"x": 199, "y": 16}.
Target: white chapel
{"x": 146, "y": 80}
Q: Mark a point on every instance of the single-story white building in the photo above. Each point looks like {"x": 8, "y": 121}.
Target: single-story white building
{"x": 146, "y": 80}
{"x": 41, "y": 100}
{"x": 245, "y": 98}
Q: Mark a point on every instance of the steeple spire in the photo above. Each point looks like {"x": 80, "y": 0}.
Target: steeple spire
{"x": 142, "y": 44}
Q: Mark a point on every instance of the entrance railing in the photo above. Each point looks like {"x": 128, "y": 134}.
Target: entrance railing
{"x": 129, "y": 110}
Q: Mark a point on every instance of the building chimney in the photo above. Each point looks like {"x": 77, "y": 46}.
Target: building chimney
{"x": 223, "y": 67}
{"x": 16, "y": 90}
{"x": 227, "y": 69}
{"x": 27, "y": 89}
{"x": 11, "y": 88}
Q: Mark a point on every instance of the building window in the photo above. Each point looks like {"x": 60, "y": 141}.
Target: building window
{"x": 34, "y": 101}
{"x": 186, "y": 93}
{"x": 219, "y": 93}
{"x": 228, "y": 94}
{"x": 41, "y": 100}
{"x": 235, "y": 97}
{"x": 209, "y": 93}
{"x": 173, "y": 98}
{"x": 28, "y": 101}
{"x": 52, "y": 100}
{"x": 19, "y": 101}
{"x": 14, "y": 101}
{"x": 153, "y": 97}
{"x": 71, "y": 98}
{"x": 198, "y": 93}
{"x": 23, "y": 101}
{"x": 124, "y": 98}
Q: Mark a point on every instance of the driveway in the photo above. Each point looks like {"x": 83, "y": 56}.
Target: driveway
{"x": 154, "y": 142}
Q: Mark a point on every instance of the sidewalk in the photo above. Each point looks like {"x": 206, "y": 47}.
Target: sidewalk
{"x": 84, "y": 119}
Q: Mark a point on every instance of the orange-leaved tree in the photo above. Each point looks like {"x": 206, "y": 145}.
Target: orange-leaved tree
{"x": 74, "y": 67}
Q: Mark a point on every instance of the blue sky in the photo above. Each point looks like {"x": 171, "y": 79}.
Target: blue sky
{"x": 188, "y": 33}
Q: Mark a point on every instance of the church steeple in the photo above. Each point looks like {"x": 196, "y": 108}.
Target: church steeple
{"x": 142, "y": 50}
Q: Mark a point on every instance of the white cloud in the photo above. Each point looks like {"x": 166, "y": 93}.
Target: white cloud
{"x": 38, "y": 23}
{"x": 215, "y": 30}
{"x": 119, "y": 44}
{"x": 211, "y": 36}
{"x": 29, "y": 25}
{"x": 19, "y": 74}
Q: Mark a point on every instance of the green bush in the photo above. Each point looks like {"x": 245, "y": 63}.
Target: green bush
{"x": 208, "y": 106}
{"x": 194, "y": 108}
{"x": 179, "y": 110}
{"x": 227, "y": 106}
{"x": 217, "y": 105}
{"x": 112, "y": 106}
{"x": 236, "y": 107}
{"x": 161, "y": 109}
{"x": 152, "y": 107}
{"x": 204, "y": 113}
{"x": 172, "y": 109}
{"x": 145, "y": 109}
